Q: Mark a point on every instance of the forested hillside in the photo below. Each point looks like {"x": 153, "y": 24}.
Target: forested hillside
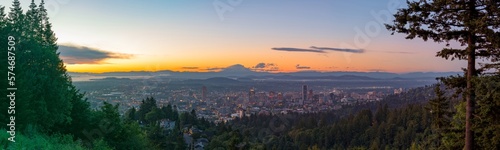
{"x": 422, "y": 118}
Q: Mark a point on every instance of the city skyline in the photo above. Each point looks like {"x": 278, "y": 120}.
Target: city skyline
{"x": 268, "y": 36}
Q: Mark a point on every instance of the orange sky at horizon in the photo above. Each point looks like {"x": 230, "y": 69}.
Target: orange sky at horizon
{"x": 317, "y": 62}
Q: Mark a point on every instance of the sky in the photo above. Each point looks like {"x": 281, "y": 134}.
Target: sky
{"x": 263, "y": 35}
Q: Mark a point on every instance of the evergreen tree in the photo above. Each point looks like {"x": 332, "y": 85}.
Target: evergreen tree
{"x": 33, "y": 22}
{"x": 117, "y": 133}
{"x": 2, "y": 16}
{"x": 16, "y": 15}
{"x": 439, "y": 109}
{"x": 44, "y": 100}
{"x": 381, "y": 113}
{"x": 175, "y": 114}
{"x": 3, "y": 36}
{"x": 157, "y": 136}
{"x": 487, "y": 126}
{"x": 80, "y": 115}
{"x": 453, "y": 137}
{"x": 131, "y": 114}
{"x": 153, "y": 116}
{"x": 193, "y": 119}
{"x": 147, "y": 105}
{"x": 180, "y": 144}
{"x": 46, "y": 97}
{"x": 471, "y": 23}
{"x": 169, "y": 112}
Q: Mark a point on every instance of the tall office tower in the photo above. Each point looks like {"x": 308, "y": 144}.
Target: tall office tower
{"x": 310, "y": 95}
{"x": 304, "y": 92}
{"x": 251, "y": 94}
{"x": 204, "y": 93}
{"x": 272, "y": 95}
{"x": 280, "y": 96}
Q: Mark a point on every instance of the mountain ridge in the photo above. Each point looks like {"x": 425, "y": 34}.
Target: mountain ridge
{"x": 239, "y": 71}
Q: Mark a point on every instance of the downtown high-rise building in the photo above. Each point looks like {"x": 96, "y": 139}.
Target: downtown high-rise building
{"x": 304, "y": 93}
{"x": 204, "y": 93}
{"x": 251, "y": 94}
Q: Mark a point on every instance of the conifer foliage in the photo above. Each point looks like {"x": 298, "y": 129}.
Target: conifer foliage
{"x": 471, "y": 23}
{"x": 44, "y": 93}
{"x": 49, "y": 107}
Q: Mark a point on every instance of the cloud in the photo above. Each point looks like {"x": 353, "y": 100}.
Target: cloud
{"x": 190, "y": 68}
{"x": 87, "y": 55}
{"x": 215, "y": 69}
{"x": 260, "y": 65}
{"x": 265, "y": 67}
{"x": 315, "y": 49}
{"x": 298, "y": 66}
{"x": 339, "y": 49}
{"x": 273, "y": 69}
{"x": 297, "y": 50}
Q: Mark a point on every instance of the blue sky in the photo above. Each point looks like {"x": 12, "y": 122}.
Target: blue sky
{"x": 178, "y": 34}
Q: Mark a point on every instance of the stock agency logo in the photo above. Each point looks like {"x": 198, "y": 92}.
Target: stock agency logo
{"x": 223, "y": 6}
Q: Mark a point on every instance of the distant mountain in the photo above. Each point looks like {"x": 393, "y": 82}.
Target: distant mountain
{"x": 325, "y": 77}
{"x": 353, "y": 77}
{"x": 215, "y": 80}
{"x": 112, "y": 79}
{"x": 380, "y": 75}
{"x": 428, "y": 74}
{"x": 221, "y": 80}
{"x": 242, "y": 72}
{"x": 237, "y": 71}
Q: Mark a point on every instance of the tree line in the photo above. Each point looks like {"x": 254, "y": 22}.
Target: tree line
{"x": 409, "y": 120}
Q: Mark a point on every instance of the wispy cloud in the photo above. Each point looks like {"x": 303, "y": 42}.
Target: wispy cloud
{"x": 339, "y": 49}
{"x": 315, "y": 49}
{"x": 260, "y": 65}
{"x": 215, "y": 69}
{"x": 86, "y": 55}
{"x": 265, "y": 67}
{"x": 289, "y": 49}
{"x": 190, "y": 68}
{"x": 299, "y": 67}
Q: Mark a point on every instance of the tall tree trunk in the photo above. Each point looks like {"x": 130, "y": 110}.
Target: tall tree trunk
{"x": 471, "y": 67}
{"x": 471, "y": 73}
{"x": 470, "y": 94}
